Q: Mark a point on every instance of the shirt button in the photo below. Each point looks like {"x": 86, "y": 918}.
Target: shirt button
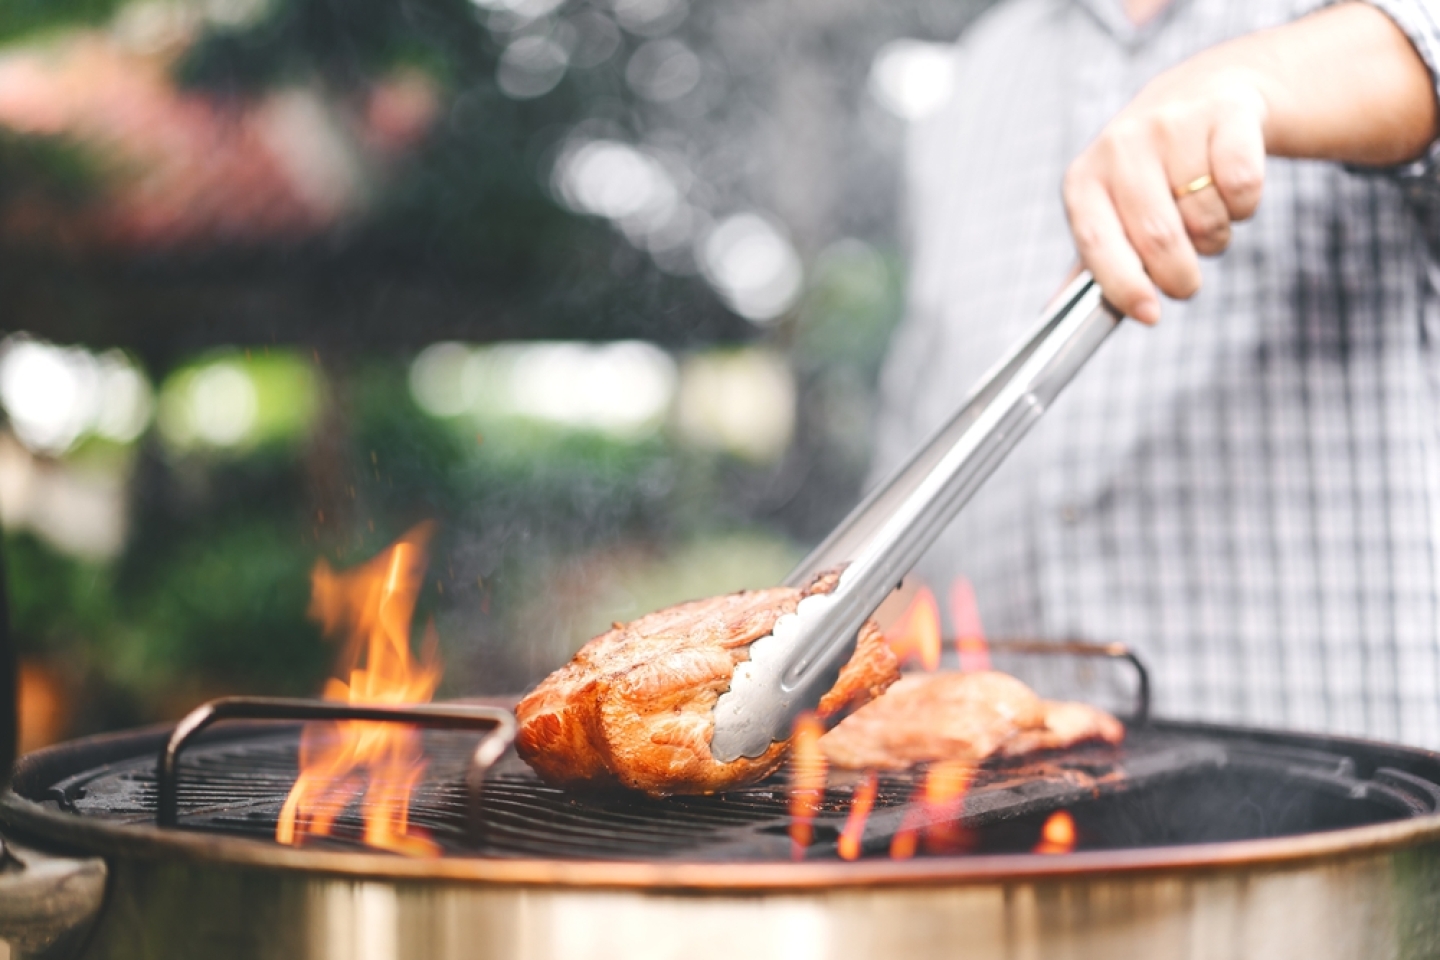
{"x": 1070, "y": 514}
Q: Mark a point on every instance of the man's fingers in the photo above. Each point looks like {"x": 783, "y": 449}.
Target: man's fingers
{"x": 1102, "y": 245}
{"x": 1146, "y": 205}
{"x": 1207, "y": 220}
{"x": 1163, "y": 184}
{"x": 1237, "y": 162}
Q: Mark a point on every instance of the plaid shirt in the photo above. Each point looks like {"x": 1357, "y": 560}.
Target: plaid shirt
{"x": 1248, "y": 494}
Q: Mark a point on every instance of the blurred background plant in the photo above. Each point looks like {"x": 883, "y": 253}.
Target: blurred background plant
{"x": 601, "y": 285}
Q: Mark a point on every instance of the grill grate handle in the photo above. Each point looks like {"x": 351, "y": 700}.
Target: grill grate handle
{"x": 448, "y": 716}
{"x": 1084, "y": 648}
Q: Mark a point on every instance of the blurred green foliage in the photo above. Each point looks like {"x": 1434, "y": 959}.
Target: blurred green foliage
{"x": 473, "y": 202}
{"x": 464, "y": 224}
{"x": 24, "y": 18}
{"x": 345, "y": 43}
{"x": 56, "y": 601}
{"x": 855, "y": 299}
{"x": 202, "y": 615}
{"x": 50, "y": 167}
{"x": 284, "y": 389}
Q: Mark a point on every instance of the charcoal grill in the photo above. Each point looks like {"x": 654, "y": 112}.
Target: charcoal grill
{"x": 1194, "y": 841}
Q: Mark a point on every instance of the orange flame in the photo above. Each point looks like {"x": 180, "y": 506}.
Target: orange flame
{"x": 807, "y": 781}
{"x": 905, "y": 841}
{"x": 945, "y": 788}
{"x": 860, "y": 807}
{"x": 970, "y": 643}
{"x": 942, "y": 799}
{"x": 370, "y": 606}
{"x": 1058, "y": 834}
{"x": 917, "y": 632}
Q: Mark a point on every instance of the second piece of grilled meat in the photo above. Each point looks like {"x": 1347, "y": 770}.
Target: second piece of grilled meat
{"x": 961, "y": 716}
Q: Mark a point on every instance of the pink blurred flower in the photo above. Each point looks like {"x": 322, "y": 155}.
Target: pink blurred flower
{"x": 186, "y": 168}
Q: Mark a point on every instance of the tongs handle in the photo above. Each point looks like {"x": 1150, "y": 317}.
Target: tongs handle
{"x": 899, "y": 520}
{"x": 883, "y": 538}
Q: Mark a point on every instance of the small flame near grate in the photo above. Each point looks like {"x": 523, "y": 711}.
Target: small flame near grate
{"x": 933, "y": 823}
{"x": 860, "y": 807}
{"x": 1058, "y": 834}
{"x": 915, "y": 635}
{"x": 970, "y": 642}
{"x": 934, "y": 820}
{"x": 370, "y": 607}
{"x": 807, "y": 780}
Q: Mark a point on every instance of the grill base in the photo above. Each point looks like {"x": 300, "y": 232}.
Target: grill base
{"x": 1346, "y": 911}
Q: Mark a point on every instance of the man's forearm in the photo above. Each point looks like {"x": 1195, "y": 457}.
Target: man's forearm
{"x": 1165, "y": 179}
{"x": 1341, "y": 84}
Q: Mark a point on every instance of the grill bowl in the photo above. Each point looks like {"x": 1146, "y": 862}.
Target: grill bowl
{"x": 1331, "y": 849}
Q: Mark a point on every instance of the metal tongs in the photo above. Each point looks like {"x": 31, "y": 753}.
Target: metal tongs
{"x": 791, "y": 669}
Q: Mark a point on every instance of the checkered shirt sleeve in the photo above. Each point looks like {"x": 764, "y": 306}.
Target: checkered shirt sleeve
{"x": 1247, "y": 494}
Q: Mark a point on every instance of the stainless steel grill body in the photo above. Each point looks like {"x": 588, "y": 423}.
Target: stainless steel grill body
{"x": 1358, "y": 905}
{"x": 1367, "y": 891}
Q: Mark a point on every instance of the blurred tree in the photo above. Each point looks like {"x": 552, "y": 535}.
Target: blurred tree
{"x": 457, "y": 236}
{"x": 22, "y": 18}
{"x": 51, "y": 167}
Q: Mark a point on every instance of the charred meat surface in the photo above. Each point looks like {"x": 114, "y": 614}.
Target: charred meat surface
{"x": 961, "y": 716}
{"x": 634, "y": 707}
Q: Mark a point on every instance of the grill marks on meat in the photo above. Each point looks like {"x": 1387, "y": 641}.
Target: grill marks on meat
{"x": 961, "y": 716}
{"x": 634, "y": 707}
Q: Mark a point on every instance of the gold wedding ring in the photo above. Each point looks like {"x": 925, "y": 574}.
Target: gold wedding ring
{"x": 1195, "y": 186}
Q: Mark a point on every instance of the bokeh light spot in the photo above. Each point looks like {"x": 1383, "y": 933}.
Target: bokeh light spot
{"x": 753, "y": 266}
{"x": 913, "y": 79}
{"x": 531, "y": 67}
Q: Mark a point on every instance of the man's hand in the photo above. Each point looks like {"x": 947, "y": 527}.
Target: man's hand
{"x": 1167, "y": 177}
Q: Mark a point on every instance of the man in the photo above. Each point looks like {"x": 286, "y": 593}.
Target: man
{"x": 1248, "y": 492}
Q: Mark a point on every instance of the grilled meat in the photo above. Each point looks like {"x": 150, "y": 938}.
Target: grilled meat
{"x": 961, "y": 716}
{"x": 634, "y": 707}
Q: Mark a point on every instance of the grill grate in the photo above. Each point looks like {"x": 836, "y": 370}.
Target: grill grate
{"x": 237, "y": 787}
{"x": 1162, "y": 786}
